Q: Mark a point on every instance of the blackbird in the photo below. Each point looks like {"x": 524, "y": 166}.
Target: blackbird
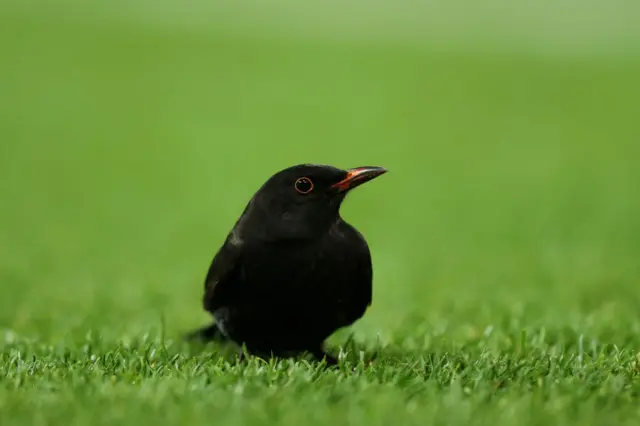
{"x": 291, "y": 271}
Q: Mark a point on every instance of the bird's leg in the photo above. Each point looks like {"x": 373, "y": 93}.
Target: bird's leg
{"x": 319, "y": 354}
{"x": 206, "y": 334}
{"x": 242, "y": 357}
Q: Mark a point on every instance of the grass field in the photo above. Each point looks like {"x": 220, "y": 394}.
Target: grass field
{"x": 505, "y": 239}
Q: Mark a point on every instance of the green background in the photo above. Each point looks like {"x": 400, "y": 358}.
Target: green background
{"x": 505, "y": 239}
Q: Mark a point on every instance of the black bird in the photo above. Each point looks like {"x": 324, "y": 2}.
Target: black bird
{"x": 291, "y": 271}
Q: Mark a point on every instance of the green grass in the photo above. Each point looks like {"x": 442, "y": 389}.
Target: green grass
{"x": 505, "y": 239}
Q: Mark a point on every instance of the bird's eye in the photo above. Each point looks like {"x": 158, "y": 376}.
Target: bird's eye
{"x": 304, "y": 185}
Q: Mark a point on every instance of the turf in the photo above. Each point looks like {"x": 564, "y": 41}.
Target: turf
{"x": 505, "y": 238}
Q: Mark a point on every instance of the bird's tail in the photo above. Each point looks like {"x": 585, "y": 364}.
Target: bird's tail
{"x": 209, "y": 333}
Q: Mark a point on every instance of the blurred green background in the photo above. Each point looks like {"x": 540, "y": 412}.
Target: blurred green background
{"x": 133, "y": 133}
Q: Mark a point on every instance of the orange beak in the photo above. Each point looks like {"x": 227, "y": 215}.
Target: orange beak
{"x": 358, "y": 176}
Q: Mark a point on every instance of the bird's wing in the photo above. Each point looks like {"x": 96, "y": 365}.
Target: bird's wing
{"x": 223, "y": 271}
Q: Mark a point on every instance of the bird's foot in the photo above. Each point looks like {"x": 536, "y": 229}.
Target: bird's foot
{"x": 206, "y": 334}
{"x": 320, "y": 355}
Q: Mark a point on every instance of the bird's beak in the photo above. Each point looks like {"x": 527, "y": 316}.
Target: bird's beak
{"x": 358, "y": 176}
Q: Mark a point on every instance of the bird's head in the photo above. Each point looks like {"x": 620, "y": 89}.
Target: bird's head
{"x": 301, "y": 201}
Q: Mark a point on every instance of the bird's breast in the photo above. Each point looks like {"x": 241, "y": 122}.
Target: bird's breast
{"x": 330, "y": 261}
